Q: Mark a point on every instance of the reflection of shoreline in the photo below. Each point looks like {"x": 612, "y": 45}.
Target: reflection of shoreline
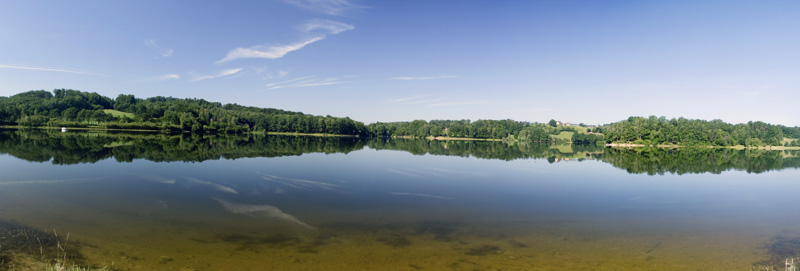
{"x": 573, "y": 159}
{"x": 90, "y": 147}
{"x": 738, "y": 147}
{"x": 699, "y": 160}
{"x": 448, "y": 138}
{"x": 79, "y": 147}
{"x": 305, "y": 134}
{"x": 88, "y": 129}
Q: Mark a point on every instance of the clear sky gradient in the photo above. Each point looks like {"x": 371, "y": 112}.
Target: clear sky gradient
{"x": 576, "y": 61}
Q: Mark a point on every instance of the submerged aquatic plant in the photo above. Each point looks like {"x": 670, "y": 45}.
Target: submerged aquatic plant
{"x": 22, "y": 246}
{"x": 791, "y": 264}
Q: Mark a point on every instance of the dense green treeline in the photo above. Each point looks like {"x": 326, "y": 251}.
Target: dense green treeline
{"x": 72, "y": 108}
{"x": 654, "y": 161}
{"x": 484, "y": 129}
{"x": 490, "y": 129}
{"x": 64, "y": 107}
{"x": 660, "y": 130}
{"x": 588, "y": 139}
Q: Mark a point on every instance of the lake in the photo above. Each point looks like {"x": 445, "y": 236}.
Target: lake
{"x": 192, "y": 202}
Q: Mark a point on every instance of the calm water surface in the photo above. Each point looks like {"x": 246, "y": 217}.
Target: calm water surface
{"x": 151, "y": 202}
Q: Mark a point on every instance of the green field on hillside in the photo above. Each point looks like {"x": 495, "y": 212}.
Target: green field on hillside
{"x": 565, "y": 136}
{"x": 118, "y": 114}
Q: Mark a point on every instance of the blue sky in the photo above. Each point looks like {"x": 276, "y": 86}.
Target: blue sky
{"x": 578, "y": 61}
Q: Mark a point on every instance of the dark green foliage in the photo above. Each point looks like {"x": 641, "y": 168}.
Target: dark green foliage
{"x": 791, "y": 132}
{"x": 494, "y": 129}
{"x": 591, "y": 139}
{"x": 535, "y": 134}
{"x": 655, "y": 130}
{"x": 484, "y": 129}
{"x": 65, "y": 107}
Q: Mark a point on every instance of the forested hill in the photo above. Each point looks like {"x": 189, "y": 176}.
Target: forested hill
{"x": 688, "y": 132}
{"x": 509, "y": 130}
{"x": 637, "y": 130}
{"x": 72, "y": 108}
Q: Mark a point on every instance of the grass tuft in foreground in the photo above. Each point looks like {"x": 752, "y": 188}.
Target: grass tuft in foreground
{"x": 61, "y": 267}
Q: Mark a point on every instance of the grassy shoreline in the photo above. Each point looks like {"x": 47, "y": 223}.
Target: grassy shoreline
{"x": 256, "y": 133}
{"x": 158, "y": 131}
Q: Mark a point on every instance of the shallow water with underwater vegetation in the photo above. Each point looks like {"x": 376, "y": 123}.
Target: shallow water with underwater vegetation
{"x": 215, "y": 202}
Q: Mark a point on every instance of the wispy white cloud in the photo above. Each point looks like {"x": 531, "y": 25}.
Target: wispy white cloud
{"x": 290, "y": 81}
{"x": 269, "y": 75}
{"x": 268, "y": 52}
{"x": 423, "y": 78}
{"x": 160, "y": 78}
{"x": 326, "y": 27}
{"x": 50, "y": 69}
{"x": 319, "y": 28}
{"x": 223, "y": 73}
{"x": 163, "y": 52}
{"x": 405, "y": 99}
{"x": 307, "y": 81}
{"x": 330, "y": 7}
{"x": 427, "y": 101}
{"x": 436, "y": 102}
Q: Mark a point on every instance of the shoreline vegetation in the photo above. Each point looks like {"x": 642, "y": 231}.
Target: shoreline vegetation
{"x": 101, "y": 129}
{"x": 77, "y": 110}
